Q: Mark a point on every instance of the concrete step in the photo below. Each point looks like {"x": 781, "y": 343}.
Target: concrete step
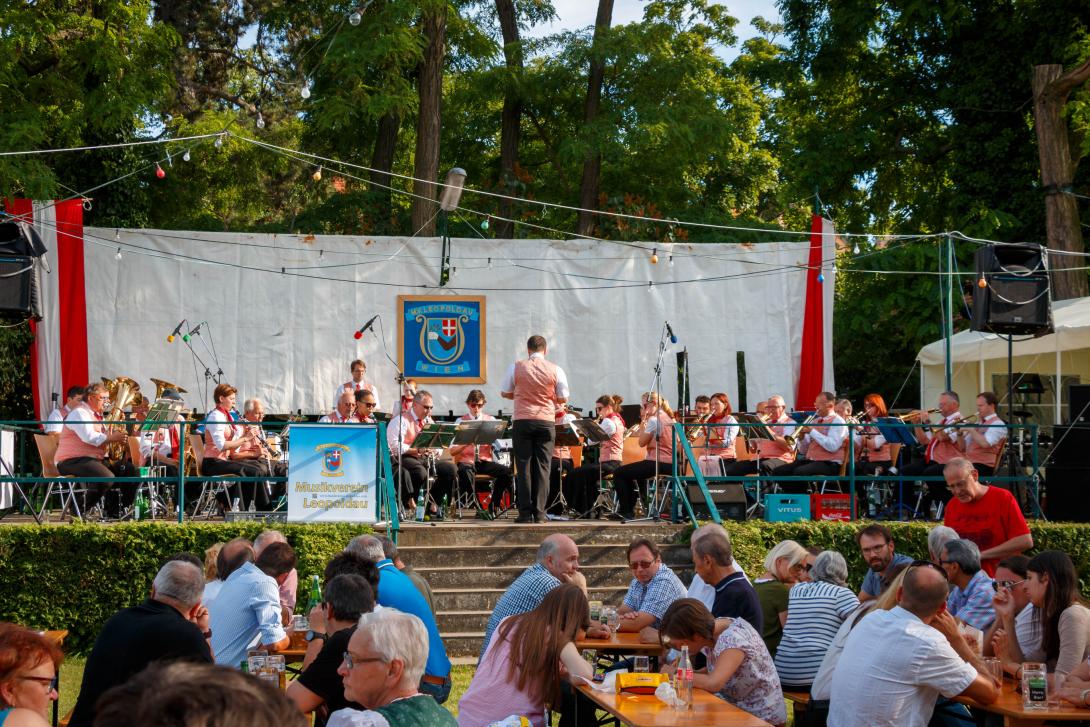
{"x": 506, "y": 532}
{"x": 463, "y": 643}
{"x": 485, "y": 599}
{"x": 522, "y": 555}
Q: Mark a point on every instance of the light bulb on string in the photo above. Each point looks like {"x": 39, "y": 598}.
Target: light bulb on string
{"x": 260, "y": 123}
{"x": 489, "y": 263}
{"x": 305, "y": 90}
{"x": 159, "y": 171}
{"x": 219, "y": 141}
{"x": 655, "y": 256}
{"x": 671, "y": 259}
{"x": 821, "y": 277}
{"x": 185, "y": 157}
{"x": 982, "y": 283}
{"x": 317, "y": 176}
{"x": 355, "y": 17}
{"x": 855, "y": 249}
{"x": 118, "y": 254}
{"x": 485, "y": 223}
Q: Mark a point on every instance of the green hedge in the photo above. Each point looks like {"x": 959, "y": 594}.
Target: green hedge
{"x": 77, "y": 576}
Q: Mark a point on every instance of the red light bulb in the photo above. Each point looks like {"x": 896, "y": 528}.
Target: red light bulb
{"x": 159, "y": 171}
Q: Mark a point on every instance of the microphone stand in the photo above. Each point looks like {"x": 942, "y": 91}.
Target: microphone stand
{"x": 400, "y": 379}
{"x": 207, "y": 374}
{"x": 656, "y": 389}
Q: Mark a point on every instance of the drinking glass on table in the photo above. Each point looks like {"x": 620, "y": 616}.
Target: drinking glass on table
{"x": 613, "y": 620}
{"x": 995, "y": 668}
{"x": 1055, "y": 681}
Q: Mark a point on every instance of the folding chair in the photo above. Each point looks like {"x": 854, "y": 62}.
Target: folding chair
{"x": 66, "y": 488}
{"x": 211, "y": 486}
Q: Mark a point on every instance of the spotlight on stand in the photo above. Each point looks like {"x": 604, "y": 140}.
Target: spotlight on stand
{"x": 448, "y": 202}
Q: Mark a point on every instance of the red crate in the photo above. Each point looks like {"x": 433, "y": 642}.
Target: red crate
{"x": 831, "y": 507}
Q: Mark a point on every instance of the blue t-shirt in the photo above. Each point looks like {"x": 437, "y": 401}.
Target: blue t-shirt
{"x": 872, "y": 582}
{"x": 396, "y": 590}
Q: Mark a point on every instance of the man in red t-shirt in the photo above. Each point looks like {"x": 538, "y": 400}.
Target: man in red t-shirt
{"x": 988, "y": 516}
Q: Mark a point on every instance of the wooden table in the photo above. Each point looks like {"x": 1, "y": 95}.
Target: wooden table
{"x": 622, "y": 642}
{"x": 1009, "y": 705}
{"x": 645, "y": 710}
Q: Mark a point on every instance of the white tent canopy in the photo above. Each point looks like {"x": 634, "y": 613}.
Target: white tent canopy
{"x": 976, "y": 357}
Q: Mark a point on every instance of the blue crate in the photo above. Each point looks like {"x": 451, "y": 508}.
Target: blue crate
{"x": 786, "y": 508}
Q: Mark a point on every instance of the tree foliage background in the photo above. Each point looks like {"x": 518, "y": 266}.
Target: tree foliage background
{"x": 907, "y": 116}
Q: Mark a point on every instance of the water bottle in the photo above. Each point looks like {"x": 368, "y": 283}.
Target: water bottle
{"x": 683, "y": 680}
{"x": 420, "y": 504}
{"x": 251, "y": 508}
{"x": 443, "y": 508}
{"x": 234, "y": 505}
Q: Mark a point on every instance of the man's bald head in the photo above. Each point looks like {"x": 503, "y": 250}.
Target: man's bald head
{"x": 924, "y": 591}
{"x": 231, "y": 557}
{"x": 560, "y": 555}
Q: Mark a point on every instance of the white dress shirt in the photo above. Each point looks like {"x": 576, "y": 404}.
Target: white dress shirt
{"x": 831, "y": 441}
{"x": 81, "y": 421}
{"x": 56, "y": 420}
{"x": 561, "y": 390}
{"x": 217, "y": 425}
{"x": 351, "y": 386}
{"x": 397, "y": 432}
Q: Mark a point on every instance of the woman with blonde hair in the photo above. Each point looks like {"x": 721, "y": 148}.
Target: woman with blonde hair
{"x": 783, "y": 566}
{"x": 656, "y": 434}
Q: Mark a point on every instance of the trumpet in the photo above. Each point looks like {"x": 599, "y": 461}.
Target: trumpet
{"x": 793, "y": 439}
{"x": 694, "y": 431}
{"x": 915, "y": 414}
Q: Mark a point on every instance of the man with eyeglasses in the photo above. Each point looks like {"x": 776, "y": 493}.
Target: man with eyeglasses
{"x": 654, "y": 587}
{"x": 170, "y": 625}
{"x": 771, "y": 453}
{"x": 971, "y": 596}
{"x": 345, "y": 413}
{"x": 400, "y": 435}
{"x": 876, "y": 544}
{"x": 988, "y": 516}
{"x": 473, "y": 461}
{"x": 897, "y": 663}
{"x": 381, "y": 669}
{"x": 81, "y": 449}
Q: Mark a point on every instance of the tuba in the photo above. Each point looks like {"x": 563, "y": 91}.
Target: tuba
{"x": 161, "y": 386}
{"x": 124, "y": 392}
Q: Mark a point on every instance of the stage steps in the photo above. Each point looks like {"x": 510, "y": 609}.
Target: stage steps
{"x": 470, "y": 563}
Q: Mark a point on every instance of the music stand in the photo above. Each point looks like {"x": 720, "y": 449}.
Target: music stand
{"x": 163, "y": 413}
{"x": 758, "y": 429}
{"x": 478, "y": 433}
{"x": 592, "y": 432}
{"x": 897, "y": 431}
{"x": 437, "y": 435}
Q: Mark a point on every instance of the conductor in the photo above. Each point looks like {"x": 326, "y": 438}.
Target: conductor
{"x": 537, "y": 387}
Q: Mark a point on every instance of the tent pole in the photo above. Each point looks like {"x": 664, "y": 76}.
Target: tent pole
{"x": 948, "y": 321}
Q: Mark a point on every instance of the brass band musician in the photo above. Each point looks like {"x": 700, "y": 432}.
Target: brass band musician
{"x": 471, "y": 463}
{"x": 345, "y": 413}
{"x": 982, "y": 445}
{"x": 560, "y": 465}
{"x": 400, "y": 435}
{"x": 356, "y": 383}
{"x": 55, "y": 420}
{"x": 939, "y": 448}
{"x": 81, "y": 451}
{"x": 162, "y": 447}
{"x": 222, "y": 437}
{"x": 771, "y": 453}
{"x": 366, "y": 403}
{"x": 872, "y": 451}
{"x": 581, "y": 484}
{"x": 656, "y": 433}
{"x": 720, "y": 430}
{"x": 257, "y": 447}
{"x": 823, "y": 443}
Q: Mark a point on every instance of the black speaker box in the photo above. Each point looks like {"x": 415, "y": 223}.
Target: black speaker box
{"x": 729, "y": 499}
{"x": 1070, "y": 446}
{"x": 1065, "y": 493}
{"x": 1078, "y": 403}
{"x": 1016, "y": 300}
{"x": 17, "y": 294}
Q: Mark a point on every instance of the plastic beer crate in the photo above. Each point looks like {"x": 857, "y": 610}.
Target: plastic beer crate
{"x": 832, "y": 506}
{"x": 786, "y": 508}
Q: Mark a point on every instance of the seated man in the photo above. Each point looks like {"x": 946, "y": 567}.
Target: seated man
{"x": 771, "y": 453}
{"x": 395, "y": 590}
{"x": 246, "y": 613}
{"x": 988, "y": 516}
{"x": 412, "y": 462}
{"x": 346, "y": 598}
{"x": 896, "y": 663}
{"x": 381, "y": 670}
{"x": 971, "y": 595}
{"x": 345, "y": 413}
{"x": 389, "y": 549}
{"x": 876, "y": 542}
{"x": 171, "y": 624}
{"x": 982, "y": 444}
{"x": 73, "y": 398}
{"x": 713, "y": 558}
{"x": 81, "y": 450}
{"x": 939, "y": 449}
{"x": 654, "y": 587}
{"x": 161, "y": 447}
{"x": 822, "y": 440}
{"x": 290, "y": 587}
{"x": 470, "y": 463}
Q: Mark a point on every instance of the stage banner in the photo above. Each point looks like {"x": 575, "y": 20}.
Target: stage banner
{"x": 333, "y": 473}
{"x": 441, "y": 339}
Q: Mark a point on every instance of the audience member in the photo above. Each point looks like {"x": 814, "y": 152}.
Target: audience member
{"x": 382, "y": 669}
{"x": 28, "y": 676}
{"x": 896, "y": 663}
{"x": 739, "y": 669}
{"x": 247, "y": 611}
{"x": 937, "y": 537}
{"x": 212, "y": 582}
{"x": 395, "y": 590}
{"x": 815, "y": 611}
{"x": 700, "y": 590}
{"x": 782, "y": 566}
{"x": 971, "y": 589}
{"x": 351, "y": 563}
{"x": 557, "y": 562}
{"x": 346, "y": 598}
{"x": 184, "y": 694}
{"x": 876, "y": 544}
{"x": 525, "y": 664}
{"x": 171, "y": 624}
{"x": 389, "y": 549}
{"x": 988, "y": 516}
{"x": 1010, "y": 585}
{"x": 289, "y": 588}
{"x": 653, "y": 588}
{"x": 1064, "y": 619}
{"x": 713, "y": 559}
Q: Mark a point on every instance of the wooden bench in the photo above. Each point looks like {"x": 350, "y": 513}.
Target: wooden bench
{"x": 799, "y": 702}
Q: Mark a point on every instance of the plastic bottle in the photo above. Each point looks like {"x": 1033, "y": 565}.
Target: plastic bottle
{"x": 315, "y": 594}
{"x": 420, "y": 509}
{"x": 443, "y": 508}
{"x": 684, "y": 680}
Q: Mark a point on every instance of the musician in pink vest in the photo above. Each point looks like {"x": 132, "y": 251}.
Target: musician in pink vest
{"x": 656, "y": 434}
{"x": 222, "y": 437}
{"x": 822, "y": 441}
{"x": 719, "y": 432}
{"x": 560, "y": 465}
{"x": 537, "y": 387}
{"x": 771, "y": 453}
{"x": 400, "y": 435}
{"x": 408, "y": 391}
{"x": 357, "y": 383}
{"x": 981, "y": 445}
{"x": 872, "y": 451}
{"x": 581, "y": 484}
{"x": 470, "y": 463}
{"x": 56, "y": 417}
{"x": 257, "y": 448}
{"x": 366, "y": 403}
{"x": 81, "y": 451}
{"x": 345, "y": 413}
{"x": 939, "y": 449}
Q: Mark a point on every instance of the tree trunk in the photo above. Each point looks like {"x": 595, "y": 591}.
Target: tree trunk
{"x": 426, "y": 168}
{"x": 1051, "y": 88}
{"x": 382, "y": 160}
{"x": 511, "y": 118}
{"x": 592, "y": 160}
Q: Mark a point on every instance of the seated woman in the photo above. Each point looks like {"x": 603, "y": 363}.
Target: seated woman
{"x": 28, "y": 676}
{"x": 739, "y": 669}
{"x": 473, "y": 461}
{"x": 656, "y": 433}
{"x": 721, "y": 430}
{"x": 815, "y": 611}
{"x": 783, "y": 565}
{"x": 581, "y": 484}
{"x": 1060, "y": 612}
{"x": 521, "y": 670}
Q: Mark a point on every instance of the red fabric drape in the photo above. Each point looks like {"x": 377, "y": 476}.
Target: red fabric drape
{"x": 812, "y": 354}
